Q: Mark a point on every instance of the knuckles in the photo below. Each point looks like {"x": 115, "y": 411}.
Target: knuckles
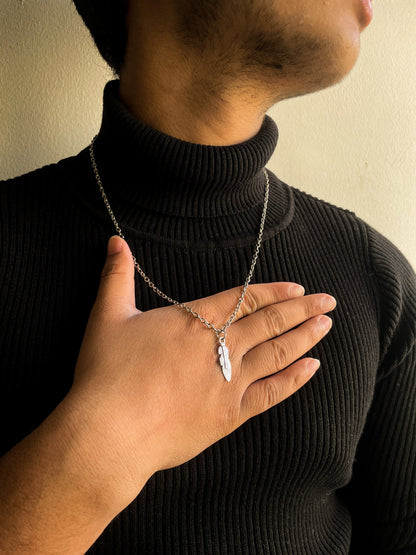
{"x": 311, "y": 307}
{"x": 275, "y": 321}
{"x": 251, "y": 303}
{"x": 278, "y": 319}
{"x": 273, "y": 394}
{"x": 111, "y": 269}
{"x": 281, "y": 352}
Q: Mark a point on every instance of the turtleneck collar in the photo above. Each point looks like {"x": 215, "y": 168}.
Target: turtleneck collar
{"x": 153, "y": 170}
{"x": 184, "y": 194}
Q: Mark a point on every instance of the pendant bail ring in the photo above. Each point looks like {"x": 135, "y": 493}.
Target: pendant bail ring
{"x": 222, "y": 336}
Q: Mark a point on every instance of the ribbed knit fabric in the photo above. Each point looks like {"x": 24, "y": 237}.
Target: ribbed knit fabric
{"x": 331, "y": 470}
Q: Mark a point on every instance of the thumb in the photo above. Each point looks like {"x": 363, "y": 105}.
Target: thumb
{"x": 116, "y": 294}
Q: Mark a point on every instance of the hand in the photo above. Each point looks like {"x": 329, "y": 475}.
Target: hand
{"x": 150, "y": 384}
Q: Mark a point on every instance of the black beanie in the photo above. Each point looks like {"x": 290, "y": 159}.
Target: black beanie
{"x": 106, "y": 21}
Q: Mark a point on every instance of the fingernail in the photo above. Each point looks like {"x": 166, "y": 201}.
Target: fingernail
{"x": 114, "y": 245}
{"x": 325, "y": 323}
{"x": 296, "y": 291}
{"x": 313, "y": 365}
{"x": 328, "y": 303}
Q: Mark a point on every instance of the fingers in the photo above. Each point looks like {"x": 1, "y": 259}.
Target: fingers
{"x": 116, "y": 294}
{"x": 277, "y": 354}
{"x": 218, "y": 308}
{"x": 276, "y": 319}
{"x": 264, "y": 394}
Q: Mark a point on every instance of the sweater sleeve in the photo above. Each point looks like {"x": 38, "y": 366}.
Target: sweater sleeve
{"x": 382, "y": 492}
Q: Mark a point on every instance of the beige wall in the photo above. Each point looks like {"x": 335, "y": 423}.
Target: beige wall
{"x": 353, "y": 145}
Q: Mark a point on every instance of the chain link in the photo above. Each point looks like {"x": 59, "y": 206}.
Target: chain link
{"x": 219, "y": 332}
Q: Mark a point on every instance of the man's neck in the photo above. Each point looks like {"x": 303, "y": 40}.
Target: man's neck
{"x": 190, "y": 111}
{"x": 199, "y": 98}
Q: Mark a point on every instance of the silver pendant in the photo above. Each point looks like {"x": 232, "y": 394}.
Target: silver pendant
{"x": 224, "y": 360}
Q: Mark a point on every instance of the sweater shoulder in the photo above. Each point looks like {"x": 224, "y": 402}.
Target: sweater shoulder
{"x": 39, "y": 178}
{"x": 37, "y": 203}
{"x": 332, "y": 228}
{"x": 308, "y": 201}
{"x": 395, "y": 280}
{"x": 45, "y": 192}
{"x": 389, "y": 274}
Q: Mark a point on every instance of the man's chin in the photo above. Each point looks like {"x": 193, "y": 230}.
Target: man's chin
{"x": 329, "y": 70}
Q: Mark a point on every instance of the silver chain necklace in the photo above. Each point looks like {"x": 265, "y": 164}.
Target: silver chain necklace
{"x": 221, "y": 333}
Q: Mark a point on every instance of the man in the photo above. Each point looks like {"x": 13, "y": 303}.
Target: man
{"x": 181, "y": 153}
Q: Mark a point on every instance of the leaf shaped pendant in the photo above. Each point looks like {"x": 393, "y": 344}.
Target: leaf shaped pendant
{"x": 224, "y": 360}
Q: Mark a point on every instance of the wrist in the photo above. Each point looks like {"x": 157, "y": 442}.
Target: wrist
{"x": 99, "y": 455}
{"x": 59, "y": 491}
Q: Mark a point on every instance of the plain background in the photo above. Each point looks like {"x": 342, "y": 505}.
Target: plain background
{"x": 353, "y": 145}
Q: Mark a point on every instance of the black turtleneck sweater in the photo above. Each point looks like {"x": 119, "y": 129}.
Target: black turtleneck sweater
{"x": 331, "y": 470}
